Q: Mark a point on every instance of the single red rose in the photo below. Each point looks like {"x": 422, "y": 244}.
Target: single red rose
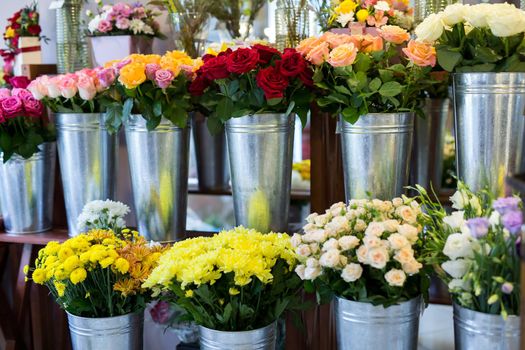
{"x": 15, "y": 26}
{"x": 20, "y": 82}
{"x": 16, "y": 16}
{"x": 215, "y": 68}
{"x": 198, "y": 85}
{"x": 272, "y": 82}
{"x": 226, "y": 52}
{"x": 266, "y": 53}
{"x": 207, "y": 57}
{"x": 292, "y": 63}
{"x": 306, "y": 77}
{"x": 34, "y": 29}
{"x": 242, "y": 60}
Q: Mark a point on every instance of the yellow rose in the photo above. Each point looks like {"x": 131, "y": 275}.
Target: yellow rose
{"x": 362, "y": 15}
{"x": 132, "y": 75}
{"x": 346, "y": 6}
{"x": 77, "y": 276}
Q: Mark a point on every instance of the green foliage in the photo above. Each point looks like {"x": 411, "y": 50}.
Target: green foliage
{"x": 23, "y": 135}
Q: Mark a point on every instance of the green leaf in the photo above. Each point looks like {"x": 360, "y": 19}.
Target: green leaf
{"x": 342, "y": 89}
{"x": 290, "y": 108}
{"x": 391, "y": 89}
{"x": 386, "y": 75}
{"x": 351, "y": 115}
{"x": 447, "y": 58}
{"x": 157, "y": 108}
{"x": 362, "y": 63}
{"x": 274, "y": 101}
{"x": 214, "y": 125}
{"x": 362, "y": 80}
{"x": 152, "y": 123}
{"x": 375, "y": 84}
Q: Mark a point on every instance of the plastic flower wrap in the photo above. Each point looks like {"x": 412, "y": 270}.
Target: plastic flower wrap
{"x": 234, "y": 281}
{"x": 475, "y": 249}
{"x": 367, "y": 251}
{"x": 106, "y": 214}
{"x": 97, "y": 274}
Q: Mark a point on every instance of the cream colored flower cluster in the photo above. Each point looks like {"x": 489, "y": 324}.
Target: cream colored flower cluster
{"x": 366, "y": 234}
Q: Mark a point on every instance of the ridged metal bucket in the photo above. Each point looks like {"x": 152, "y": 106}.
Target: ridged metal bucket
{"x": 158, "y": 162}
{"x": 72, "y": 47}
{"x": 258, "y": 339}
{"x": 27, "y": 190}
{"x": 88, "y": 161}
{"x": 490, "y": 127}
{"x": 111, "y": 333}
{"x": 260, "y": 148}
{"x": 376, "y": 154}
{"x": 475, "y": 331}
{"x": 212, "y": 156}
{"x": 364, "y": 326}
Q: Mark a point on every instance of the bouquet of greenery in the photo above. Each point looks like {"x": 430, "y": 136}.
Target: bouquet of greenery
{"x": 237, "y": 280}
{"x": 475, "y": 250}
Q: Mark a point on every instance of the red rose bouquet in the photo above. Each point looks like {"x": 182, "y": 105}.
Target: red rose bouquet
{"x": 22, "y": 23}
{"x": 253, "y": 80}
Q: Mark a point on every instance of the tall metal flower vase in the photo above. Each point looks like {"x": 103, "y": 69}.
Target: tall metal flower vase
{"x": 27, "y": 189}
{"x": 159, "y": 162}
{"x": 364, "y": 326}
{"x": 490, "y": 127}
{"x": 115, "y": 333}
{"x": 260, "y": 148}
{"x": 376, "y": 154}
{"x": 88, "y": 162}
{"x": 257, "y": 339}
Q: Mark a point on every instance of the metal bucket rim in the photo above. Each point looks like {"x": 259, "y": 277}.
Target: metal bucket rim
{"x": 260, "y": 116}
{"x": 214, "y": 331}
{"x": 488, "y": 73}
{"x": 77, "y": 113}
{"x": 417, "y": 299}
{"x": 137, "y": 313}
{"x": 138, "y": 121}
{"x": 458, "y": 308}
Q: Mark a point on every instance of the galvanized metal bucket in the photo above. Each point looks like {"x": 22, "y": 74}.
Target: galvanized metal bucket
{"x": 212, "y": 156}
{"x": 475, "y": 330}
{"x": 260, "y": 148}
{"x": 88, "y": 161}
{"x": 110, "y": 333}
{"x": 364, "y": 326}
{"x": 158, "y": 162}
{"x": 258, "y": 339}
{"x": 27, "y": 190}
{"x": 376, "y": 154}
{"x": 490, "y": 127}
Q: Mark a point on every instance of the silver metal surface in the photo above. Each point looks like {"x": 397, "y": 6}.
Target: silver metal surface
{"x": 490, "y": 124}
{"x": 258, "y": 339}
{"x": 212, "y": 156}
{"x": 475, "y": 331}
{"x": 364, "y": 326}
{"x": 27, "y": 190}
{"x": 72, "y": 47}
{"x": 260, "y": 148}
{"x": 424, "y": 8}
{"x": 376, "y": 154}
{"x": 159, "y": 162}
{"x": 110, "y": 333}
{"x": 429, "y": 141}
{"x": 87, "y": 155}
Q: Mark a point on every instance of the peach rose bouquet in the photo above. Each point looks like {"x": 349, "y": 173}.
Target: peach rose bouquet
{"x": 361, "y": 74}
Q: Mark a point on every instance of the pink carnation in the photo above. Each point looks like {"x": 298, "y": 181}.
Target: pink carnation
{"x": 122, "y": 23}
{"x": 104, "y": 26}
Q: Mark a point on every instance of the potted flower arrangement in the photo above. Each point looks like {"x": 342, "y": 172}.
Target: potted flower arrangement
{"x": 87, "y": 152}
{"x": 256, "y": 92}
{"x": 120, "y": 30}
{"x": 151, "y": 98}
{"x": 365, "y": 80}
{"x": 27, "y": 162}
{"x": 483, "y": 46}
{"x": 475, "y": 250}
{"x": 369, "y": 255}
{"x": 234, "y": 285}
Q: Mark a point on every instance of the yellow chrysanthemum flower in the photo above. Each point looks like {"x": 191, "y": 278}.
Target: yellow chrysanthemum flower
{"x": 362, "y": 15}
{"x": 39, "y": 276}
{"x": 122, "y": 265}
{"x": 78, "y": 275}
{"x": 60, "y": 287}
{"x": 233, "y": 291}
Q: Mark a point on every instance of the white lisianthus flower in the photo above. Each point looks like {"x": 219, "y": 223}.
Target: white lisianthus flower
{"x": 495, "y": 218}
{"x": 459, "y": 199}
{"x": 407, "y": 214}
{"x": 311, "y": 218}
{"x": 395, "y": 278}
{"x": 458, "y": 284}
{"x": 390, "y": 225}
{"x": 360, "y": 225}
{"x": 409, "y": 231}
{"x": 477, "y": 15}
{"x": 404, "y": 255}
{"x": 458, "y": 246}
{"x": 352, "y": 272}
{"x": 362, "y": 254}
{"x": 456, "y": 220}
{"x": 374, "y": 229}
{"x": 398, "y": 241}
{"x": 296, "y": 240}
{"x": 372, "y": 241}
{"x": 331, "y": 258}
{"x": 454, "y": 14}
{"x": 348, "y": 242}
{"x": 299, "y": 270}
{"x": 378, "y": 257}
{"x": 412, "y": 267}
{"x": 303, "y": 250}
{"x": 332, "y": 243}
{"x": 382, "y": 6}
{"x": 311, "y": 273}
{"x": 456, "y": 268}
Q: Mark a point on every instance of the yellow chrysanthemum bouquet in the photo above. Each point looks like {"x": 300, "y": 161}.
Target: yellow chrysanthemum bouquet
{"x": 97, "y": 274}
{"x": 237, "y": 280}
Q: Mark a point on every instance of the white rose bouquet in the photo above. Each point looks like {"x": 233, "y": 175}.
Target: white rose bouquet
{"x": 368, "y": 251}
{"x": 477, "y": 38}
{"x": 475, "y": 249}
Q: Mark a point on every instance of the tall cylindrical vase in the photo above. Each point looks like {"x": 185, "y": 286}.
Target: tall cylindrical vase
{"x": 475, "y": 330}
{"x": 158, "y": 162}
{"x": 212, "y": 156}
{"x": 87, "y": 155}
{"x": 364, "y": 326}
{"x": 27, "y": 189}
{"x": 115, "y": 333}
{"x": 292, "y": 23}
{"x": 72, "y": 47}
{"x": 258, "y": 339}
{"x": 376, "y": 154}
{"x": 190, "y": 32}
{"x": 260, "y": 148}
{"x": 490, "y": 126}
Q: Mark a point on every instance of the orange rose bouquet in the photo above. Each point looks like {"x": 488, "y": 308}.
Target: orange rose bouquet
{"x": 361, "y": 74}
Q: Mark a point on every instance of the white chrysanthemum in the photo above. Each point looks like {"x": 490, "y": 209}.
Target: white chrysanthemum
{"x": 345, "y": 18}
{"x": 137, "y": 26}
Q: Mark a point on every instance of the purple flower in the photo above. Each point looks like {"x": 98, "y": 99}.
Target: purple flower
{"x": 104, "y": 26}
{"x": 506, "y": 204}
{"x": 32, "y": 106}
{"x": 163, "y": 78}
{"x": 106, "y": 77}
{"x": 160, "y": 313}
{"x": 479, "y": 227}
{"x": 512, "y": 221}
{"x": 5, "y": 92}
{"x": 151, "y": 69}
{"x": 122, "y": 23}
{"x": 11, "y": 106}
{"x": 507, "y": 287}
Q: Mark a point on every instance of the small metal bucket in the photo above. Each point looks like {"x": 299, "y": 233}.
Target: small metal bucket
{"x": 258, "y": 339}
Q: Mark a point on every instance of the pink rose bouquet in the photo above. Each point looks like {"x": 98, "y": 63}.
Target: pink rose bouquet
{"x": 361, "y": 74}
{"x": 23, "y": 124}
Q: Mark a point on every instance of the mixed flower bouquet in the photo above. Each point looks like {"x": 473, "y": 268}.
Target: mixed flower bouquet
{"x": 97, "y": 274}
{"x": 23, "y": 123}
{"x": 246, "y": 81}
{"x": 360, "y": 74}
{"x": 477, "y": 38}
{"x": 369, "y": 251}
{"x": 123, "y": 19}
{"x": 152, "y": 85}
{"x": 237, "y": 280}
{"x": 475, "y": 249}
{"x": 23, "y": 23}
{"x": 103, "y": 215}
